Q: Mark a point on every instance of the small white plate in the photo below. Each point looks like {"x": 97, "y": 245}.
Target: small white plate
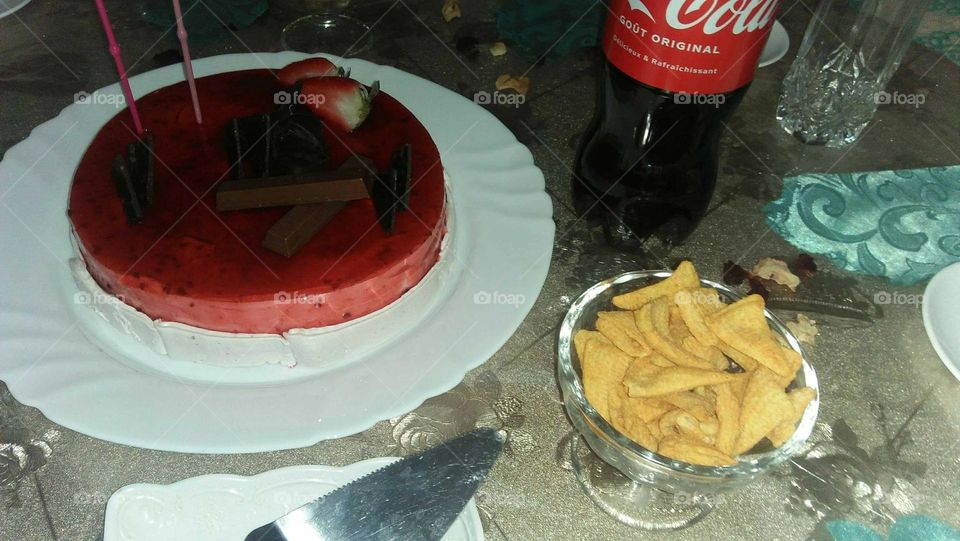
{"x": 228, "y": 507}
{"x": 941, "y": 316}
{"x": 777, "y": 45}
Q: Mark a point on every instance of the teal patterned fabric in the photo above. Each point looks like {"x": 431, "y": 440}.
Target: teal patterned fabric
{"x": 845, "y": 530}
{"x": 205, "y": 18}
{"x": 950, "y": 7}
{"x": 904, "y": 225}
{"x": 940, "y": 28}
{"x": 947, "y": 43}
{"x": 553, "y": 28}
{"x": 908, "y": 528}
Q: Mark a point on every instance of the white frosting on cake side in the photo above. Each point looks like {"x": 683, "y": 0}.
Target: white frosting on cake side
{"x": 320, "y": 347}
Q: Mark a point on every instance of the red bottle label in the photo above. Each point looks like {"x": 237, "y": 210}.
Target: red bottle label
{"x": 692, "y": 46}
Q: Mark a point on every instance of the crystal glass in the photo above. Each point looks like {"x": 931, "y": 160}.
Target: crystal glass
{"x": 328, "y": 28}
{"x": 849, "y": 52}
{"x": 634, "y": 485}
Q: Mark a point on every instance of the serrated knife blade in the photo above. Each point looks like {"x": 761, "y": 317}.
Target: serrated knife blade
{"x": 416, "y": 498}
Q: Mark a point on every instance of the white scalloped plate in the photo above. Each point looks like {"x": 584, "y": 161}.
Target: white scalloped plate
{"x": 227, "y": 507}
{"x": 504, "y": 240}
{"x": 941, "y": 316}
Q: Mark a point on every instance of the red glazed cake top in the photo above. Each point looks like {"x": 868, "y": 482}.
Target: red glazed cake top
{"x": 188, "y": 263}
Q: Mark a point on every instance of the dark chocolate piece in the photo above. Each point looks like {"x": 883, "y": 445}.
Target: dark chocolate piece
{"x": 391, "y": 189}
{"x": 133, "y": 177}
{"x": 296, "y": 143}
{"x": 402, "y": 162}
{"x": 286, "y": 141}
{"x": 385, "y": 200}
{"x": 248, "y": 146}
{"x": 298, "y": 226}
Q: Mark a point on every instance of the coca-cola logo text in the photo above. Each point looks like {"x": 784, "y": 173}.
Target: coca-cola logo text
{"x": 690, "y": 46}
{"x": 638, "y": 5}
{"x": 714, "y": 15}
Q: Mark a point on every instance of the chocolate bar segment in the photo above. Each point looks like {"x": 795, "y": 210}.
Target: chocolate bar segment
{"x": 298, "y": 226}
{"x": 351, "y": 181}
{"x": 290, "y": 191}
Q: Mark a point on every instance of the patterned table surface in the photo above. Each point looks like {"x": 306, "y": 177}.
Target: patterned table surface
{"x": 887, "y": 443}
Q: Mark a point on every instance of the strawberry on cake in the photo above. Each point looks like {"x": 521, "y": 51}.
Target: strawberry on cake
{"x": 208, "y": 285}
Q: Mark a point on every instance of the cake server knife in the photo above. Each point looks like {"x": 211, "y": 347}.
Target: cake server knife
{"x": 416, "y": 498}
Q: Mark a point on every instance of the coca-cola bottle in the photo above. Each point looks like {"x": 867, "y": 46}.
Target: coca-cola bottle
{"x": 675, "y": 70}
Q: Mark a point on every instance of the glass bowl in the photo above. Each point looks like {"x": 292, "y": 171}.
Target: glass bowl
{"x": 635, "y": 485}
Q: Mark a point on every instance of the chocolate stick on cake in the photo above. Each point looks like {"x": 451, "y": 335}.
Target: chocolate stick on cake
{"x": 391, "y": 189}
{"x": 133, "y": 177}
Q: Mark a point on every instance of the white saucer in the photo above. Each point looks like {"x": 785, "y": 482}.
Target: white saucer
{"x": 777, "y": 45}
{"x": 941, "y": 316}
{"x": 227, "y": 507}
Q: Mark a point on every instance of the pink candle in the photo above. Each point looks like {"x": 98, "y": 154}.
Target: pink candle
{"x": 187, "y": 63}
{"x": 115, "y": 53}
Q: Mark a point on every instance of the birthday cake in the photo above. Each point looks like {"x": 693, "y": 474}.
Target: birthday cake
{"x": 188, "y": 276}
